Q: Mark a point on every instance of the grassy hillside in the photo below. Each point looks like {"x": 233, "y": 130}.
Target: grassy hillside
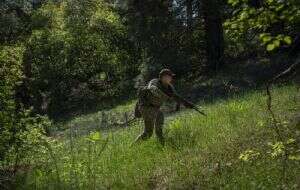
{"x": 233, "y": 148}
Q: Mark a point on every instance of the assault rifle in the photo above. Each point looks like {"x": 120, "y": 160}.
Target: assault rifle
{"x": 192, "y": 106}
{"x": 183, "y": 101}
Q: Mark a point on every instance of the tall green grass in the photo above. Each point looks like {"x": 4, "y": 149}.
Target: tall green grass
{"x": 200, "y": 152}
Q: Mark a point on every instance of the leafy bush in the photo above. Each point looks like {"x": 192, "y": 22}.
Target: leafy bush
{"x": 10, "y": 74}
{"x": 20, "y": 130}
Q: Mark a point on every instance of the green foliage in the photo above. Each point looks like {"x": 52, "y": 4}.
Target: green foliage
{"x": 15, "y": 19}
{"x": 20, "y": 131}
{"x": 249, "y": 155}
{"x": 10, "y": 74}
{"x": 275, "y": 22}
{"x": 277, "y": 150}
{"x": 28, "y": 139}
{"x": 93, "y": 137}
{"x": 82, "y": 55}
{"x": 274, "y": 42}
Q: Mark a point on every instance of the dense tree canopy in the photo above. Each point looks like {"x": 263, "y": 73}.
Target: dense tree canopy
{"x": 87, "y": 53}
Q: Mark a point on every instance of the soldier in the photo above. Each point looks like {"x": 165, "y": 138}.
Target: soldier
{"x": 151, "y": 97}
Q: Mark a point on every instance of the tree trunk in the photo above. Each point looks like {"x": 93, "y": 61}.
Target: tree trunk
{"x": 189, "y": 14}
{"x": 214, "y": 33}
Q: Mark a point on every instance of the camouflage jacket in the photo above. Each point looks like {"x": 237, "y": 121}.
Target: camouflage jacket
{"x": 160, "y": 93}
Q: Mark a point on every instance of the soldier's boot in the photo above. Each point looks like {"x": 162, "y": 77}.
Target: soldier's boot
{"x": 159, "y": 122}
{"x": 148, "y": 128}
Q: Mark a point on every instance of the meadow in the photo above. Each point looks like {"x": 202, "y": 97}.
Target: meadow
{"x": 234, "y": 147}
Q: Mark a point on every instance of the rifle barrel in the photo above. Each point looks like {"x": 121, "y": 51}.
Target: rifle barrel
{"x": 202, "y": 113}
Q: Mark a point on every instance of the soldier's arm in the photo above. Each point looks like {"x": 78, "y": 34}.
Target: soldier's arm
{"x": 179, "y": 99}
{"x": 175, "y": 95}
{"x": 156, "y": 91}
{"x": 184, "y": 102}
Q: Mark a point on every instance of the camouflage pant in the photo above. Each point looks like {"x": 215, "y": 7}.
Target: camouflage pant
{"x": 153, "y": 119}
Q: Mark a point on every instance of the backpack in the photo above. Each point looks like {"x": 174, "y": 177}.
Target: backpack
{"x": 142, "y": 95}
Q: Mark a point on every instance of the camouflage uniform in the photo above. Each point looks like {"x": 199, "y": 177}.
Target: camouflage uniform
{"x": 149, "y": 107}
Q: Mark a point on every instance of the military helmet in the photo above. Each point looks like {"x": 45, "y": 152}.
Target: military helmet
{"x": 164, "y": 72}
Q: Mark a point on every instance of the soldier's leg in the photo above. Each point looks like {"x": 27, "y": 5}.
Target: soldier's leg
{"x": 148, "y": 128}
{"x": 159, "y": 122}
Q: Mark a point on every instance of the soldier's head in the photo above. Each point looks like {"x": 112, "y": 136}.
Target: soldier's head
{"x": 166, "y": 76}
